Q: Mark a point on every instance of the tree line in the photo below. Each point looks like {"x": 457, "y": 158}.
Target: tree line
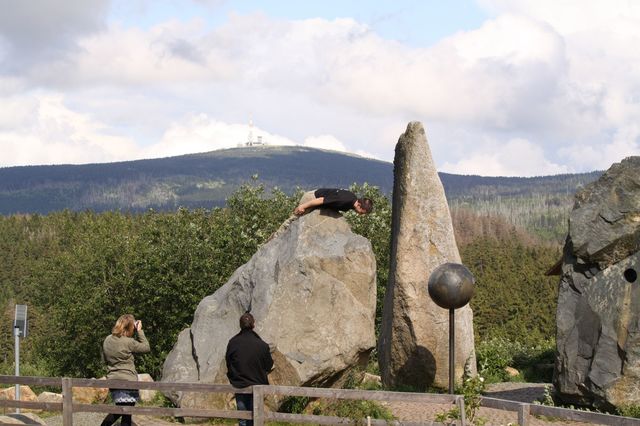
{"x": 78, "y": 271}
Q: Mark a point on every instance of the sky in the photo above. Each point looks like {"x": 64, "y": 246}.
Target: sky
{"x": 502, "y": 87}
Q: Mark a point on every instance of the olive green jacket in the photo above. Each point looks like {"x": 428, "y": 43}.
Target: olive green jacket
{"x": 118, "y": 352}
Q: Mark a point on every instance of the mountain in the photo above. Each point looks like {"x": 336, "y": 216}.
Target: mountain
{"x": 207, "y": 179}
{"x": 196, "y": 180}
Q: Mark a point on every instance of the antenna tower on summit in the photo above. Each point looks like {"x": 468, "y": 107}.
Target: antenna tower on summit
{"x": 250, "y": 141}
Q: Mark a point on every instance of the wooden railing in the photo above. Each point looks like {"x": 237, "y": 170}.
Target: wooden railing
{"x": 525, "y": 410}
{"x": 260, "y": 415}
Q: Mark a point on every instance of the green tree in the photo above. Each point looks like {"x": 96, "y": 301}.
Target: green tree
{"x": 375, "y": 226}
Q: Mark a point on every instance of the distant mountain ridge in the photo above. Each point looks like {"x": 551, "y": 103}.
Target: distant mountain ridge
{"x": 207, "y": 179}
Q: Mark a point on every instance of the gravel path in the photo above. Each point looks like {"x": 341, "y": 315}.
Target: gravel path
{"x": 94, "y": 419}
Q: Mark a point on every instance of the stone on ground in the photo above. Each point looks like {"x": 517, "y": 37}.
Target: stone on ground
{"x": 598, "y": 316}
{"x": 312, "y": 291}
{"x": 414, "y": 337}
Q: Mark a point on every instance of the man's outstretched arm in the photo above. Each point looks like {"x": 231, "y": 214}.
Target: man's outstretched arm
{"x": 302, "y": 208}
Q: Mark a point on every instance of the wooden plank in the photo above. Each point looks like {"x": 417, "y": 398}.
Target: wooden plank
{"x": 499, "y": 404}
{"x": 583, "y": 416}
{"x": 47, "y": 406}
{"x": 67, "y": 402}
{"x": 122, "y": 384}
{"x": 307, "y": 418}
{"x": 30, "y": 380}
{"x": 161, "y": 411}
{"x": 159, "y": 386}
{"x": 360, "y": 394}
{"x": 331, "y": 420}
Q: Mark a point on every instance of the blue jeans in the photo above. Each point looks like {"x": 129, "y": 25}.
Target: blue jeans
{"x": 244, "y": 402}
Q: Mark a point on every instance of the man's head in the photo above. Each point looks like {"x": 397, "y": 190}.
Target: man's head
{"x": 247, "y": 322}
{"x": 363, "y": 205}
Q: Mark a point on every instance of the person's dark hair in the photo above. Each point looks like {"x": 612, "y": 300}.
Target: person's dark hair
{"x": 247, "y": 322}
{"x": 366, "y": 204}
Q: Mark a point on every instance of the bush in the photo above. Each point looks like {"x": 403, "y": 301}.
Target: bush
{"x": 355, "y": 410}
{"x": 28, "y": 369}
{"x": 494, "y": 355}
{"x": 472, "y": 389}
{"x": 630, "y": 411}
{"x": 294, "y": 404}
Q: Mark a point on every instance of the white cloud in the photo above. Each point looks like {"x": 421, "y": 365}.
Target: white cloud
{"x": 562, "y": 77}
{"x": 624, "y": 143}
{"x": 517, "y": 157}
{"x": 33, "y": 33}
{"x": 40, "y": 129}
{"x": 200, "y": 133}
{"x": 324, "y": 142}
{"x": 570, "y": 16}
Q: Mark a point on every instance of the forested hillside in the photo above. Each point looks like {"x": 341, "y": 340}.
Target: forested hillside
{"x": 206, "y": 180}
{"x": 78, "y": 271}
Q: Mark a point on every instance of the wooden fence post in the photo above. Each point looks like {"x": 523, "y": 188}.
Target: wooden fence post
{"x": 67, "y": 402}
{"x": 463, "y": 414}
{"x": 523, "y": 414}
{"x": 258, "y": 405}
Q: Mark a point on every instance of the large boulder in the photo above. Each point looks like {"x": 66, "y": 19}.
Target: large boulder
{"x": 146, "y": 395}
{"x": 598, "y": 317}
{"x": 414, "y": 337}
{"x": 312, "y": 291}
{"x": 26, "y": 394}
{"x": 90, "y": 395}
{"x": 604, "y": 225}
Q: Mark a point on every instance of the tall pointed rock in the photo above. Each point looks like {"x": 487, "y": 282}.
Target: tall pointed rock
{"x": 414, "y": 338}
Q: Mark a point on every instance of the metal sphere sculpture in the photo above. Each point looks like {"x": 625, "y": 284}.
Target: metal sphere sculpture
{"x": 451, "y": 286}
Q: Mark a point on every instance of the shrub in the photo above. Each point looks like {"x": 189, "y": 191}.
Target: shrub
{"x": 495, "y": 354}
{"x": 472, "y": 389}
{"x": 630, "y": 411}
{"x": 355, "y": 410}
{"x": 294, "y": 404}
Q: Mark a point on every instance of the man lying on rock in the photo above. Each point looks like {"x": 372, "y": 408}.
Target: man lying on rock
{"x": 335, "y": 199}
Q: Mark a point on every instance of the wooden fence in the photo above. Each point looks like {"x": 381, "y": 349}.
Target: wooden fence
{"x": 260, "y": 415}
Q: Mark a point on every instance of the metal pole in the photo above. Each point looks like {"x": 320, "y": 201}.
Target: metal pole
{"x": 452, "y": 339}
{"x": 16, "y": 333}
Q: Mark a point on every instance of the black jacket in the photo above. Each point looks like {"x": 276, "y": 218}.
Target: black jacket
{"x": 248, "y": 360}
{"x": 336, "y": 199}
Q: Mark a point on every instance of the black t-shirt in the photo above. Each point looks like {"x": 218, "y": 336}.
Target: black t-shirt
{"x": 336, "y": 199}
{"x": 248, "y": 360}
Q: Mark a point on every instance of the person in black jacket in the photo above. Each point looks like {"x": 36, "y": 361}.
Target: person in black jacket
{"x": 335, "y": 199}
{"x": 248, "y": 362}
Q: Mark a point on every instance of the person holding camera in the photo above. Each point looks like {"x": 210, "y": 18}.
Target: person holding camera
{"x": 125, "y": 340}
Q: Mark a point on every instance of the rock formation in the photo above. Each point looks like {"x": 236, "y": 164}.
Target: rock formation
{"x": 312, "y": 291}
{"x": 598, "y": 317}
{"x": 414, "y": 338}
